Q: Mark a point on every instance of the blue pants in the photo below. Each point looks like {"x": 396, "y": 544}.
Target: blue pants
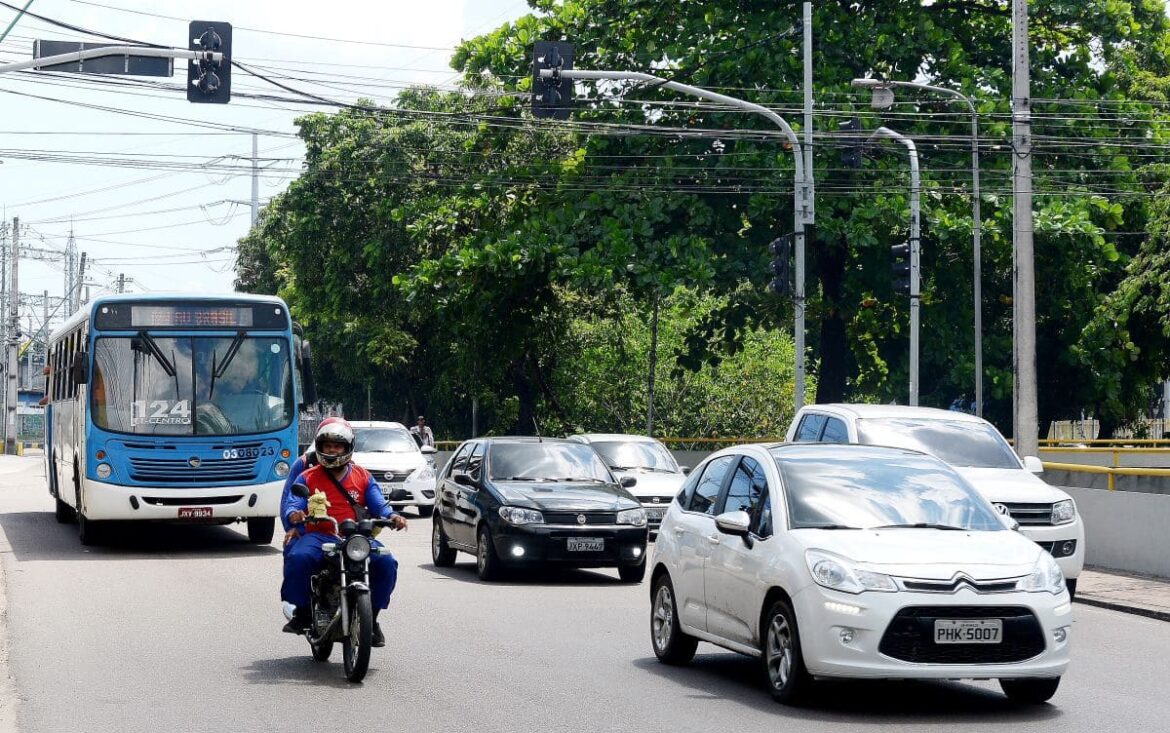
{"x": 304, "y": 556}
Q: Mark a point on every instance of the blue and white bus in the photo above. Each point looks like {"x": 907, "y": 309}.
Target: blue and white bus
{"x": 178, "y": 408}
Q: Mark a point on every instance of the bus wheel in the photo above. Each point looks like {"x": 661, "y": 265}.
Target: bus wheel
{"x": 64, "y": 513}
{"x": 261, "y": 530}
{"x": 88, "y": 530}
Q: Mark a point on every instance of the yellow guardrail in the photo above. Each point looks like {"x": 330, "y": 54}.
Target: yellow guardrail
{"x": 1072, "y": 442}
{"x": 1112, "y": 471}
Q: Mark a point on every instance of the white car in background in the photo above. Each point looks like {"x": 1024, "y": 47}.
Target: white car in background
{"x": 974, "y": 448}
{"x": 855, "y": 561}
{"x": 659, "y": 477}
{"x": 405, "y": 472}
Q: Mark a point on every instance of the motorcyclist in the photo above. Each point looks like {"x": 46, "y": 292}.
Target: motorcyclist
{"x": 299, "y": 466}
{"x": 303, "y": 554}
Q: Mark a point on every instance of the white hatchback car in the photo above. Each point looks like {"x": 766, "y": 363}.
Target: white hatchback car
{"x": 974, "y": 448}
{"x": 639, "y": 456}
{"x": 855, "y": 562}
{"x": 405, "y": 472}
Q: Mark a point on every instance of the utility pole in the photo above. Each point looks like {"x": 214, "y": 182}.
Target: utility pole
{"x": 653, "y": 366}
{"x": 70, "y": 269}
{"x": 798, "y": 292}
{"x": 1026, "y": 419}
{"x": 255, "y": 180}
{"x": 80, "y": 280}
{"x": 44, "y": 341}
{"x": 121, "y": 282}
{"x": 13, "y": 343}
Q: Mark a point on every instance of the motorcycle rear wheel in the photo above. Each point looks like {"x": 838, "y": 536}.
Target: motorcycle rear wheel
{"x": 356, "y": 645}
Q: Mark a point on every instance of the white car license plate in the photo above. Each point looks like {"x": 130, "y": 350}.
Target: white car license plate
{"x": 585, "y": 544}
{"x": 655, "y": 515}
{"x": 968, "y": 631}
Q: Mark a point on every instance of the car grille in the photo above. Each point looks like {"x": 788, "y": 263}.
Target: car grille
{"x": 179, "y": 470}
{"x": 910, "y": 636}
{"x": 1030, "y": 514}
{"x": 1000, "y": 585}
{"x": 394, "y": 476}
{"x": 572, "y": 518}
{"x": 654, "y": 501}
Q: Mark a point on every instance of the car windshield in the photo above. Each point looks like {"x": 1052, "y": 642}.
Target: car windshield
{"x": 383, "y": 440}
{"x": 864, "y": 488}
{"x": 652, "y": 456}
{"x": 546, "y": 461}
{"x": 957, "y": 442}
{"x": 191, "y": 385}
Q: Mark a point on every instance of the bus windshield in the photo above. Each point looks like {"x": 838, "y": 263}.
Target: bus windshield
{"x": 192, "y": 385}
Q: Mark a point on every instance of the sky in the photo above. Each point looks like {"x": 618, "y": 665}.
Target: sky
{"x": 158, "y": 189}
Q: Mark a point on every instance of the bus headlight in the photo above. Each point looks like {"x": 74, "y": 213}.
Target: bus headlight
{"x": 104, "y": 470}
{"x": 281, "y": 469}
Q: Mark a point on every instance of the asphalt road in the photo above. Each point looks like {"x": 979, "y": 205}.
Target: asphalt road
{"x": 178, "y": 629}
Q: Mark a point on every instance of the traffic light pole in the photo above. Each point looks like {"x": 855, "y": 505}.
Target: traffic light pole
{"x": 803, "y": 200}
{"x": 94, "y": 53}
{"x": 915, "y": 272}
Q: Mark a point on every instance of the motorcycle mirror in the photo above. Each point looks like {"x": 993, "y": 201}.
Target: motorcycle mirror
{"x": 300, "y": 490}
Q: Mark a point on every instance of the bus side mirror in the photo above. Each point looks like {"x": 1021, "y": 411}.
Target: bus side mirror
{"x": 308, "y": 387}
{"x": 80, "y": 370}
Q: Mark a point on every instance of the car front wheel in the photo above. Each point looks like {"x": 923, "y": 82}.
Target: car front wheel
{"x": 487, "y": 562}
{"x": 788, "y": 680}
{"x": 671, "y": 645}
{"x": 1030, "y": 691}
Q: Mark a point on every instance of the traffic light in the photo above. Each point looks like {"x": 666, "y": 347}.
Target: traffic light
{"x": 551, "y": 97}
{"x": 210, "y": 81}
{"x": 781, "y": 249}
{"x": 901, "y": 267}
{"x": 851, "y": 143}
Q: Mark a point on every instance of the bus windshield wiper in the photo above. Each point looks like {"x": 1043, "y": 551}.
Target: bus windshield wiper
{"x": 153, "y": 349}
{"x": 218, "y": 371}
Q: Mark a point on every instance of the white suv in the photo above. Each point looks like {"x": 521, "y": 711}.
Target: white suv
{"x": 639, "y": 456}
{"x": 855, "y": 561}
{"x": 405, "y": 472}
{"x": 973, "y": 447}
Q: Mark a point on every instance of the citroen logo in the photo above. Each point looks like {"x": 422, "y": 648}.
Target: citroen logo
{"x": 194, "y": 462}
{"x": 580, "y": 519}
{"x": 1002, "y": 509}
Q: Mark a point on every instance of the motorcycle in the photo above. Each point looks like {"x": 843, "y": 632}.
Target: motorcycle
{"x": 340, "y": 607}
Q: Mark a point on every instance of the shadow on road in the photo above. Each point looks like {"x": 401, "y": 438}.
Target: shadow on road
{"x": 730, "y": 676}
{"x": 303, "y": 670}
{"x": 465, "y": 571}
{"x": 36, "y": 536}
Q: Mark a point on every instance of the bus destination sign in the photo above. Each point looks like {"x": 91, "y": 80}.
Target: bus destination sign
{"x": 127, "y": 316}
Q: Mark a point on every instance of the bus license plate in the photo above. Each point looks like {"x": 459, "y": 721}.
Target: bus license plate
{"x": 194, "y": 512}
{"x": 968, "y": 631}
{"x": 586, "y": 544}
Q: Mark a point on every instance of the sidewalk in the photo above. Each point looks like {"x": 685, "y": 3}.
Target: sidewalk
{"x": 1119, "y": 591}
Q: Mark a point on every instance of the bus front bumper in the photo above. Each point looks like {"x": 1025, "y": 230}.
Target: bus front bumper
{"x": 101, "y": 501}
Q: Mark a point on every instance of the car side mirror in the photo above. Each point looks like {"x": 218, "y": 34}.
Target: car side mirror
{"x": 628, "y": 482}
{"x": 429, "y": 449}
{"x": 734, "y": 523}
{"x": 1033, "y": 464}
{"x": 300, "y": 490}
{"x": 686, "y": 470}
{"x": 463, "y": 479}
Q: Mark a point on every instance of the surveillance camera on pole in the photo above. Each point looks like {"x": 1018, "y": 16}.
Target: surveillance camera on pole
{"x": 552, "y": 97}
{"x": 210, "y": 81}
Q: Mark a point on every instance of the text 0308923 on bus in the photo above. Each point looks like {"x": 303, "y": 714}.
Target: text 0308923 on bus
{"x": 176, "y": 408}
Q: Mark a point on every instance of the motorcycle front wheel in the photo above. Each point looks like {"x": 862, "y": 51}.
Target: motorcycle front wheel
{"x": 321, "y": 650}
{"x": 356, "y": 645}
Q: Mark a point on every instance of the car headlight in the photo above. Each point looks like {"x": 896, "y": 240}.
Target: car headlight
{"x": 104, "y": 470}
{"x": 281, "y": 469}
{"x": 518, "y": 515}
{"x": 1063, "y": 512}
{"x": 838, "y": 573}
{"x": 426, "y": 473}
{"x": 357, "y": 548}
{"x": 1045, "y": 577}
{"x": 636, "y": 517}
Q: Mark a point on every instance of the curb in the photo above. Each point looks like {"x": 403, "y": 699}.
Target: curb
{"x": 1115, "y": 606}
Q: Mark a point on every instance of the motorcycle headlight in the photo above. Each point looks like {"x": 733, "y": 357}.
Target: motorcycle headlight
{"x": 1045, "y": 577}
{"x": 357, "y": 548}
{"x": 838, "y": 573}
{"x": 1063, "y": 512}
{"x": 636, "y": 517}
{"x": 518, "y": 515}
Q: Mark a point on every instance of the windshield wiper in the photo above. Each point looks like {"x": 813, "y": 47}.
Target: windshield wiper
{"x": 218, "y": 371}
{"x": 153, "y": 349}
{"x": 518, "y": 478}
{"x": 826, "y": 526}
{"x": 921, "y": 525}
{"x": 580, "y": 478}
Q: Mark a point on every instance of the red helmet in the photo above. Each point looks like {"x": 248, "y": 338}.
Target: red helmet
{"x": 334, "y": 430}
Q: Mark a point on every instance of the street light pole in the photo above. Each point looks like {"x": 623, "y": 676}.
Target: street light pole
{"x": 881, "y": 102}
{"x": 915, "y": 261}
{"x": 803, "y": 199}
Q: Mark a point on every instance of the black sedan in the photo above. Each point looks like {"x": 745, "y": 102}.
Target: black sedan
{"x": 515, "y": 502}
